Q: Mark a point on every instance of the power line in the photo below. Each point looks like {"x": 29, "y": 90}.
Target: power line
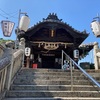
{"x": 4, "y": 12}
{"x": 3, "y": 16}
{"x": 10, "y": 16}
{"x": 13, "y": 16}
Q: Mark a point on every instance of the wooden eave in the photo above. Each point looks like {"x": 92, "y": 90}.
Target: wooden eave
{"x": 85, "y": 48}
{"x": 56, "y": 24}
{"x": 77, "y": 36}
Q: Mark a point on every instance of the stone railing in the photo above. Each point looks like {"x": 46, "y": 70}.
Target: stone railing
{"x": 96, "y": 54}
{"x": 8, "y": 69}
{"x": 1, "y": 51}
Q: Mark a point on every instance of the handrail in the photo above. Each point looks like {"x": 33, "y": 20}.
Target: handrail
{"x": 82, "y": 70}
{"x": 16, "y": 64}
{"x": 8, "y": 69}
{"x": 4, "y": 67}
{"x": 4, "y": 62}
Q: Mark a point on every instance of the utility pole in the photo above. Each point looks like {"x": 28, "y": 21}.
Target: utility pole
{"x": 23, "y": 23}
{"x": 17, "y": 31}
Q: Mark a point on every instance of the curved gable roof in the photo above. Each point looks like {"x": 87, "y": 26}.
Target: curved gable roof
{"x": 53, "y": 21}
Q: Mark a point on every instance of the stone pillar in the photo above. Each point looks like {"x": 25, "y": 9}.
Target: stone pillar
{"x": 96, "y": 62}
{"x": 27, "y": 62}
{"x": 99, "y": 63}
{"x": 31, "y": 60}
{"x": 22, "y": 46}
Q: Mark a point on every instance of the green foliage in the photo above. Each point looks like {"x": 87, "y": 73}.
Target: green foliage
{"x": 4, "y": 41}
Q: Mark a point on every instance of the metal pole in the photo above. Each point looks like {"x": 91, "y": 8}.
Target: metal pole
{"x": 18, "y": 25}
{"x": 71, "y": 75}
{"x": 19, "y": 18}
{"x": 18, "y": 32}
{"x": 62, "y": 60}
{"x": 98, "y": 17}
{"x": 17, "y": 28}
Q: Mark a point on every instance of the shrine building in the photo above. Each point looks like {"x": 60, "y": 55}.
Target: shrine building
{"x": 49, "y": 37}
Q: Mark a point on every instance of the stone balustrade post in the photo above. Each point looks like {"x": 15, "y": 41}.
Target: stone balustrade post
{"x": 22, "y": 46}
{"x": 96, "y": 61}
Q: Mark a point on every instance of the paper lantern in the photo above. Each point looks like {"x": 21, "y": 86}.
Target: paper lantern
{"x": 24, "y": 23}
{"x": 95, "y": 26}
{"x": 76, "y": 53}
{"x": 7, "y": 27}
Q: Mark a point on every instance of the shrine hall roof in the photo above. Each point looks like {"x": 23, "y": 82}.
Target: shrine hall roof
{"x": 52, "y": 17}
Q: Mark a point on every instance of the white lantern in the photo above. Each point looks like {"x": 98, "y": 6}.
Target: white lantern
{"x": 27, "y": 51}
{"x": 24, "y": 23}
{"x": 76, "y": 53}
{"x": 95, "y": 26}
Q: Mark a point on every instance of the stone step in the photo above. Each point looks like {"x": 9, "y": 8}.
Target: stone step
{"x": 62, "y": 74}
{"x": 49, "y": 82}
{"x": 93, "y": 70}
{"x": 49, "y": 73}
{"x": 52, "y": 84}
{"x": 29, "y": 94}
{"x": 57, "y": 70}
{"x": 41, "y": 70}
{"x": 49, "y": 76}
{"x": 95, "y": 74}
{"x": 53, "y": 87}
{"x": 52, "y": 77}
{"x": 55, "y": 98}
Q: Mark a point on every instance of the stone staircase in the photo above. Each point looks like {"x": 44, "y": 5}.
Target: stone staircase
{"x": 52, "y": 84}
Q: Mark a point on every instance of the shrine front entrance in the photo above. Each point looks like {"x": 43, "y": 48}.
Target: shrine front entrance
{"x": 48, "y": 62}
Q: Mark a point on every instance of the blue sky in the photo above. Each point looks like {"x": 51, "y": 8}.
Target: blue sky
{"x": 77, "y": 13}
